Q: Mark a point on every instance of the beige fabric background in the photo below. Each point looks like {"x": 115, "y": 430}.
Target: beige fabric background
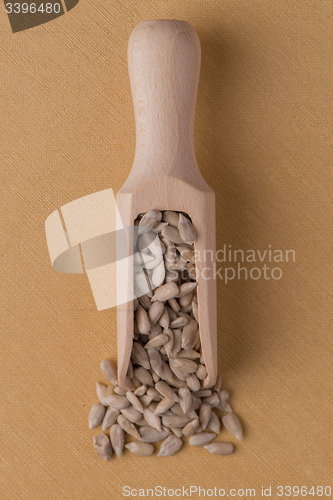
{"x": 264, "y": 143}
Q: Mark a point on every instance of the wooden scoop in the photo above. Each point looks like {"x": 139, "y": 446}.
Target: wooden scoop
{"x": 164, "y": 66}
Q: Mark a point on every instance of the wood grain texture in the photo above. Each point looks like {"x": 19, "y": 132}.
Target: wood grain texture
{"x": 164, "y": 66}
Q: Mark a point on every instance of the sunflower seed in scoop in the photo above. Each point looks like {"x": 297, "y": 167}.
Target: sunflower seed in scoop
{"x": 163, "y": 406}
{"x": 213, "y": 400}
{"x": 110, "y": 418}
{"x": 101, "y": 391}
{"x": 144, "y": 376}
{"x": 142, "y": 320}
{"x": 201, "y": 372}
{"x": 118, "y": 390}
{"x": 109, "y": 371}
{"x": 158, "y": 228}
{"x": 186, "y": 252}
{"x": 103, "y": 446}
{"x": 196, "y": 403}
{"x": 185, "y": 399}
{"x": 214, "y": 424}
{"x": 109, "y": 390}
{"x": 204, "y": 393}
{"x": 195, "y": 311}
{"x": 171, "y": 313}
{"x": 188, "y": 309}
{"x": 155, "y": 330}
{"x": 189, "y": 354}
{"x": 166, "y": 373}
{"x": 128, "y": 427}
{"x": 157, "y": 341}
{"x": 142, "y": 282}
{"x": 142, "y": 423}
{"x": 168, "y": 244}
{"x": 135, "y": 402}
{"x": 116, "y": 401}
{"x": 186, "y": 288}
{"x": 170, "y": 446}
{"x": 172, "y": 234}
{"x": 142, "y": 259}
{"x": 96, "y": 415}
{"x": 189, "y": 334}
{"x": 117, "y": 438}
{"x": 151, "y": 266}
{"x": 150, "y": 219}
{"x": 225, "y": 406}
{"x": 186, "y": 229}
{"x": 145, "y": 400}
{"x": 132, "y": 414}
{"x": 175, "y": 421}
{"x": 169, "y": 345}
{"x": 165, "y": 292}
{"x": 152, "y": 406}
{"x": 140, "y": 448}
{"x": 174, "y": 305}
{"x": 223, "y": 395}
{"x": 140, "y": 356}
{"x": 166, "y": 391}
{"x": 177, "y": 342}
{"x": 187, "y": 365}
{"x": 155, "y": 395}
{"x": 158, "y": 274}
{"x": 205, "y": 412}
{"x": 153, "y": 420}
{"x": 145, "y": 302}
{"x": 177, "y": 410}
{"x": 197, "y": 343}
{"x": 136, "y": 382}
{"x": 153, "y": 243}
{"x": 155, "y": 311}
{"x": 151, "y": 435}
{"x": 178, "y": 372}
{"x": 179, "y": 264}
{"x": 170, "y": 257}
{"x": 164, "y": 319}
{"x": 233, "y": 425}
{"x": 155, "y": 360}
{"x": 171, "y": 218}
{"x": 185, "y": 302}
{"x": 177, "y": 431}
{"x": 140, "y": 391}
{"x": 191, "y": 427}
{"x": 172, "y": 276}
{"x": 180, "y": 322}
{"x": 186, "y": 315}
{"x": 193, "y": 382}
{"x": 201, "y": 439}
{"x": 220, "y": 448}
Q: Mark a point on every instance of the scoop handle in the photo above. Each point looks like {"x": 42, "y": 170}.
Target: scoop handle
{"x": 164, "y": 65}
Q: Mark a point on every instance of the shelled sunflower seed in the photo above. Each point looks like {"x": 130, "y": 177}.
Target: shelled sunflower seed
{"x": 167, "y": 367}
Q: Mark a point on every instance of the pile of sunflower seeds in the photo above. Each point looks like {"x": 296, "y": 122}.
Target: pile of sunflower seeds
{"x": 166, "y": 368}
